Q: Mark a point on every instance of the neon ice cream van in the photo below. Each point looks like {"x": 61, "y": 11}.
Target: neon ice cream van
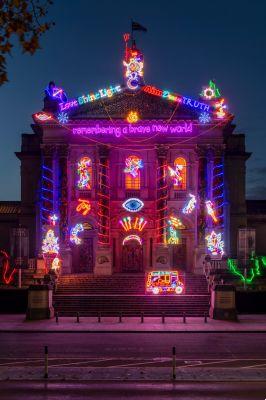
{"x": 164, "y": 282}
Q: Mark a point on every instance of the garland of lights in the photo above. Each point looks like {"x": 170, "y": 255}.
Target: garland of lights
{"x": 132, "y": 237}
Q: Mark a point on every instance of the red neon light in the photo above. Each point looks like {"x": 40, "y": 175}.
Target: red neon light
{"x": 6, "y": 267}
{"x": 164, "y": 282}
{"x": 152, "y": 90}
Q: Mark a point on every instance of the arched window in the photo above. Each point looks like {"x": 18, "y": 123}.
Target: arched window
{"x": 180, "y": 181}
{"x": 84, "y": 170}
{"x": 133, "y": 164}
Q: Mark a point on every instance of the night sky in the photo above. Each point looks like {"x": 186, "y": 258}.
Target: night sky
{"x": 187, "y": 43}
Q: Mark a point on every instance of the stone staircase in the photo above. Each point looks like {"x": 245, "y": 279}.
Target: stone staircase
{"x": 125, "y": 293}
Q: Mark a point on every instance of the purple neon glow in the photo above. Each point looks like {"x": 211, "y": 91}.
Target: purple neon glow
{"x": 119, "y": 129}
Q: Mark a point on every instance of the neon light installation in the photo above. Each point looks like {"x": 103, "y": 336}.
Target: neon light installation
{"x": 220, "y": 108}
{"x": 136, "y": 223}
{"x": 134, "y": 68}
{"x": 210, "y": 92}
{"x": 176, "y": 98}
{"x": 89, "y": 98}
{"x": 173, "y": 231}
{"x": 53, "y": 219}
{"x": 50, "y": 243}
{"x": 215, "y": 243}
{"x": 78, "y": 228}
{"x": 6, "y": 266}
{"x": 83, "y": 207}
{"x": 84, "y": 172}
{"x": 132, "y": 117}
{"x": 211, "y": 210}
{"x": 43, "y": 116}
{"x": 56, "y": 264}
{"x": 133, "y": 165}
{"x": 63, "y": 118}
{"x": 164, "y": 282}
{"x": 178, "y": 173}
{"x": 133, "y": 204}
{"x": 191, "y": 204}
{"x": 55, "y": 92}
{"x": 204, "y": 118}
{"x": 256, "y": 270}
{"x": 132, "y": 237}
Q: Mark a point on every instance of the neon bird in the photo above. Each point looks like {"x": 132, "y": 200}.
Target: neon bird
{"x": 191, "y": 204}
{"x": 211, "y": 211}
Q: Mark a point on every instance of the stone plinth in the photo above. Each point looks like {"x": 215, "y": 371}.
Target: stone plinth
{"x": 40, "y": 302}
{"x": 223, "y": 304}
{"x": 103, "y": 262}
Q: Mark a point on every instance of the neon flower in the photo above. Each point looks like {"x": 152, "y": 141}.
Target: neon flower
{"x": 191, "y": 204}
{"x": 204, "y": 118}
{"x": 50, "y": 243}
{"x": 62, "y": 118}
{"x": 211, "y": 210}
{"x": 53, "y": 218}
{"x": 84, "y": 171}
{"x": 132, "y": 237}
{"x": 220, "y": 108}
{"x": 133, "y": 204}
{"x": 134, "y": 69}
{"x": 42, "y": 116}
{"x": 132, "y": 117}
{"x": 215, "y": 243}
{"x": 74, "y": 233}
{"x": 83, "y": 207}
{"x": 133, "y": 164}
{"x": 211, "y": 92}
{"x": 176, "y": 174}
{"x": 129, "y": 223}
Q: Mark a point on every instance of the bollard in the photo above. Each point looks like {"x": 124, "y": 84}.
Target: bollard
{"x": 174, "y": 364}
{"x": 142, "y": 318}
{"x": 99, "y": 317}
{"x": 56, "y": 317}
{"x": 205, "y": 318}
{"x": 163, "y": 318}
{"x": 120, "y": 317}
{"x": 78, "y": 317}
{"x": 45, "y": 362}
{"x": 184, "y": 318}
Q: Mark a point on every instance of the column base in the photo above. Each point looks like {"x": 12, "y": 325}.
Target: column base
{"x": 161, "y": 257}
{"x": 66, "y": 255}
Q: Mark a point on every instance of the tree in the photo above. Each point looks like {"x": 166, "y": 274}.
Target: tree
{"x": 23, "y": 19}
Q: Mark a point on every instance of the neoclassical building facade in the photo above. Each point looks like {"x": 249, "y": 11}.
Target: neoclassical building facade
{"x": 133, "y": 178}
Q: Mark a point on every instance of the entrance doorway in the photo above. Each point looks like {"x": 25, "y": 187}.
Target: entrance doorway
{"x": 82, "y": 261}
{"x": 180, "y": 255}
{"x": 132, "y": 257}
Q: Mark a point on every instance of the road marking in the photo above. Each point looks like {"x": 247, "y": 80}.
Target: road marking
{"x": 79, "y": 362}
{"x": 129, "y": 365}
{"x": 20, "y": 362}
{"x": 208, "y": 363}
{"x": 253, "y": 366}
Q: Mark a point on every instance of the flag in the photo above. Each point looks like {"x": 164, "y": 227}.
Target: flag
{"x": 137, "y": 27}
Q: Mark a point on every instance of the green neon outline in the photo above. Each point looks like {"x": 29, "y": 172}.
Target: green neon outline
{"x": 255, "y": 271}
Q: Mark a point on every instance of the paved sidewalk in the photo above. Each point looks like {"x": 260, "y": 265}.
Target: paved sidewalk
{"x": 246, "y": 323}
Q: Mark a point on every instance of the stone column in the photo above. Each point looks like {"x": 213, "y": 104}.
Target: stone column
{"x": 65, "y": 251}
{"x": 201, "y": 215}
{"x": 162, "y": 259}
{"x": 218, "y": 194}
{"x": 103, "y": 264}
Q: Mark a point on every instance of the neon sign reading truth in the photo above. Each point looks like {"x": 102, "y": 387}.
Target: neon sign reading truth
{"x": 90, "y": 97}
{"x": 118, "y": 130}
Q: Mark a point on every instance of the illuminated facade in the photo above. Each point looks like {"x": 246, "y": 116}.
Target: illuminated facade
{"x": 139, "y": 178}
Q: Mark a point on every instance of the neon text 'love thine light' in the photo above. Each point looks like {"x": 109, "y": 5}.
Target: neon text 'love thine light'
{"x": 90, "y": 97}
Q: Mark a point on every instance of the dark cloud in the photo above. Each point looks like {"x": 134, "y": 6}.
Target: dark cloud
{"x": 258, "y": 171}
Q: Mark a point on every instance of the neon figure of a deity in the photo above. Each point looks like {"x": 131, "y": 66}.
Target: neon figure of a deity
{"x": 176, "y": 174}
{"x": 133, "y": 164}
{"x": 84, "y": 166}
{"x": 191, "y": 204}
{"x": 215, "y": 243}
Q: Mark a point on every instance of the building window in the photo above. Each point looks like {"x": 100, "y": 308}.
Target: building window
{"x": 84, "y": 170}
{"x": 180, "y": 183}
{"x": 133, "y": 164}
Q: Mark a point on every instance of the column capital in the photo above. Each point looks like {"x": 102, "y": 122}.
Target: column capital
{"x": 63, "y": 150}
{"x": 48, "y": 150}
{"x": 162, "y": 151}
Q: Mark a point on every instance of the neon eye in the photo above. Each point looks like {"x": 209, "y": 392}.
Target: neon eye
{"x": 133, "y": 205}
